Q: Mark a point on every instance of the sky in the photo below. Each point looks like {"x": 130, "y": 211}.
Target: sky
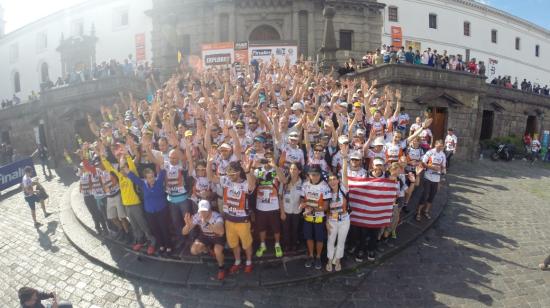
{"x": 21, "y": 12}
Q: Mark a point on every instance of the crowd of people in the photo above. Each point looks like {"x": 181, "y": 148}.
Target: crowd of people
{"x": 273, "y": 158}
{"x": 525, "y": 86}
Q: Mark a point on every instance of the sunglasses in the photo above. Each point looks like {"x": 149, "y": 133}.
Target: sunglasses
{"x": 239, "y": 127}
{"x": 355, "y": 159}
{"x": 252, "y": 123}
{"x": 318, "y": 150}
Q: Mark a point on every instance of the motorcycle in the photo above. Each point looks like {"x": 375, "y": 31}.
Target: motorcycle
{"x": 503, "y": 151}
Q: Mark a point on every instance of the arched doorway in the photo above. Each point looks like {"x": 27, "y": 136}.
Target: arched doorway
{"x": 44, "y": 72}
{"x": 16, "y": 82}
{"x": 264, "y": 33}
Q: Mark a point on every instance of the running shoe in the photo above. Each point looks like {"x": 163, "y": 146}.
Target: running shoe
{"x": 150, "y": 250}
{"x": 278, "y": 251}
{"x": 261, "y": 250}
{"x": 318, "y": 264}
{"x": 221, "y": 274}
{"x": 234, "y": 269}
{"x": 137, "y": 247}
{"x": 309, "y": 262}
{"x": 248, "y": 268}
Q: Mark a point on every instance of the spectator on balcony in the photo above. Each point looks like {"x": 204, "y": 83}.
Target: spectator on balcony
{"x": 401, "y": 55}
{"x": 460, "y": 66}
{"x": 472, "y": 66}
{"x": 482, "y": 69}
{"x": 409, "y": 56}
{"x": 444, "y": 60}
{"x": 426, "y": 55}
{"x": 417, "y": 58}
{"x": 386, "y": 54}
{"x": 16, "y": 100}
{"x": 432, "y": 58}
{"x": 378, "y": 58}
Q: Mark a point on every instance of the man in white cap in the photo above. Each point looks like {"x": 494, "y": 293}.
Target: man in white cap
{"x": 211, "y": 235}
{"x": 378, "y": 151}
{"x": 297, "y": 112}
{"x": 343, "y": 141}
{"x": 291, "y": 151}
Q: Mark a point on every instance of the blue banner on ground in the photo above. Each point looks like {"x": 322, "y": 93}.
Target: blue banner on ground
{"x": 13, "y": 173}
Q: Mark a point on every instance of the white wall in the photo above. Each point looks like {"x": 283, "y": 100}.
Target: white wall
{"x": 113, "y": 42}
{"x": 451, "y": 15}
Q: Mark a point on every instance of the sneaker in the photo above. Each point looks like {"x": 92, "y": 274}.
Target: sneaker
{"x": 137, "y": 247}
{"x": 309, "y": 262}
{"x": 371, "y": 256}
{"x": 338, "y": 266}
{"x": 260, "y": 251}
{"x": 221, "y": 274}
{"x": 318, "y": 264}
{"x": 248, "y": 268}
{"x": 360, "y": 256}
{"x": 46, "y": 214}
{"x": 37, "y": 224}
{"x": 351, "y": 250}
{"x": 328, "y": 267}
{"x": 234, "y": 269}
{"x": 150, "y": 250}
{"x": 278, "y": 251}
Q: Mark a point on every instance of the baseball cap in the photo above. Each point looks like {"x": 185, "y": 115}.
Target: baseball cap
{"x": 204, "y": 206}
{"x": 344, "y": 104}
{"x": 356, "y": 155}
{"x": 188, "y": 133}
{"x": 314, "y": 169}
{"x": 357, "y": 104}
{"x": 378, "y": 141}
{"x": 343, "y": 139}
{"x": 360, "y": 132}
{"x": 293, "y": 135}
{"x": 260, "y": 138}
{"x": 377, "y": 161}
{"x": 297, "y": 106}
{"x": 225, "y": 146}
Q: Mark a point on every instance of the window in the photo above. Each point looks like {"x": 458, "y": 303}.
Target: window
{"x": 44, "y": 72}
{"x": 121, "y": 18}
{"x": 224, "y": 27}
{"x": 303, "y": 33}
{"x": 537, "y": 51}
{"x": 466, "y": 28}
{"x": 494, "y": 36}
{"x": 41, "y": 41}
{"x": 14, "y": 53}
{"x": 433, "y": 21}
{"x": 518, "y": 42}
{"x": 16, "y": 82}
{"x": 392, "y": 13}
{"x": 346, "y": 37}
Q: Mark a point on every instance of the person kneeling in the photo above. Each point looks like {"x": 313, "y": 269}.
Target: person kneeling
{"x": 211, "y": 236}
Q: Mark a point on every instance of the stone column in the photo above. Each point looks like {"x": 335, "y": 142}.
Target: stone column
{"x": 328, "y": 47}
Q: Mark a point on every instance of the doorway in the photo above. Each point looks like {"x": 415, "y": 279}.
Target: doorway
{"x": 264, "y": 33}
{"x": 487, "y": 125}
{"x": 531, "y": 127}
{"x": 82, "y": 129}
{"x": 439, "y": 124}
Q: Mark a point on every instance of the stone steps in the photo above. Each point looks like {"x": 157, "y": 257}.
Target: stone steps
{"x": 201, "y": 271}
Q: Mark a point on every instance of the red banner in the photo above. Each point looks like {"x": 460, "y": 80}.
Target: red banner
{"x": 396, "y": 37}
{"x": 140, "y": 47}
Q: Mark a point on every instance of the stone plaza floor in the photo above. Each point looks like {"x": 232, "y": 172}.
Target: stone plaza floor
{"x": 483, "y": 251}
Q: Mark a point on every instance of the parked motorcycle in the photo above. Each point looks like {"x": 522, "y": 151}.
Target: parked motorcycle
{"x": 503, "y": 151}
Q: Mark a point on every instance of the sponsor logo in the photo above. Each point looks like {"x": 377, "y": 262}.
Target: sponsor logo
{"x": 13, "y": 176}
{"x": 261, "y": 52}
{"x": 217, "y": 59}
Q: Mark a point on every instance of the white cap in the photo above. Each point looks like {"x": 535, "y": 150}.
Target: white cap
{"x": 378, "y": 141}
{"x": 343, "y": 139}
{"x": 356, "y": 155}
{"x": 360, "y": 132}
{"x": 294, "y": 135}
{"x": 297, "y": 106}
{"x": 377, "y": 161}
{"x": 204, "y": 206}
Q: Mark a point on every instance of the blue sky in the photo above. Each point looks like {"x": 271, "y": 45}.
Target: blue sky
{"x": 18, "y": 14}
{"x": 536, "y": 11}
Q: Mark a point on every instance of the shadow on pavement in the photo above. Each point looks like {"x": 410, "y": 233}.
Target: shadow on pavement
{"x": 44, "y": 237}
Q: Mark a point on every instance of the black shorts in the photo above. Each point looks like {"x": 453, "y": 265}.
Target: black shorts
{"x": 210, "y": 241}
{"x": 31, "y": 200}
{"x": 315, "y": 231}
{"x": 268, "y": 220}
{"x": 430, "y": 189}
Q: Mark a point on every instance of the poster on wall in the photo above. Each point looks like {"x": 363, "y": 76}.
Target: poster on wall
{"x": 262, "y": 52}
{"x": 396, "y": 37}
{"x": 492, "y": 67}
{"x": 241, "y": 56}
{"x": 415, "y": 45}
{"x": 218, "y": 54}
{"x": 140, "y": 47}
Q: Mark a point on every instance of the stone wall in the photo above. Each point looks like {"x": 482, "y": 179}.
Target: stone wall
{"x": 63, "y": 113}
{"x": 464, "y": 96}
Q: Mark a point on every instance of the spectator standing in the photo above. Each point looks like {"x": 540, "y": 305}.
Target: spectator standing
{"x": 450, "y": 145}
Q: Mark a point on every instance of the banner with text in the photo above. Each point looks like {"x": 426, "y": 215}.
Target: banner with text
{"x": 396, "y": 37}
{"x": 140, "y": 47}
{"x": 12, "y": 174}
{"x": 218, "y": 54}
{"x": 280, "y": 50}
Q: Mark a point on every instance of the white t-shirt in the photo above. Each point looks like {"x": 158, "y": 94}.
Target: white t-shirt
{"x": 26, "y": 182}
{"x": 434, "y": 158}
{"x": 450, "y": 142}
{"x": 206, "y": 227}
{"x": 291, "y": 197}
{"x": 314, "y": 194}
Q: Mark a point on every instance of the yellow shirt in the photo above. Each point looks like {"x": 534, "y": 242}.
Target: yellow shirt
{"x": 127, "y": 192}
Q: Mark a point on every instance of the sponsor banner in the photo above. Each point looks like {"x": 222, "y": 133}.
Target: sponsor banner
{"x": 140, "y": 47}
{"x": 12, "y": 174}
{"x": 241, "y": 53}
{"x": 218, "y": 54}
{"x": 415, "y": 45}
{"x": 396, "y": 37}
{"x": 279, "y": 50}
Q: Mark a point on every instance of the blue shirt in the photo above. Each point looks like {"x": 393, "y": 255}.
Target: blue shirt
{"x": 154, "y": 198}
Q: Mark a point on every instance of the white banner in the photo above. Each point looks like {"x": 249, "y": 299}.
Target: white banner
{"x": 264, "y": 53}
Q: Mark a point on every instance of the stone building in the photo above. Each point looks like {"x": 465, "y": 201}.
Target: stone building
{"x": 186, "y": 24}
{"x": 465, "y": 102}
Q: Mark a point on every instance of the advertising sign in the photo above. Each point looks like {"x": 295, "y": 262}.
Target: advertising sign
{"x": 140, "y": 47}
{"x": 396, "y": 37}
{"x": 218, "y": 54}
{"x": 414, "y": 45}
{"x": 280, "y": 50}
{"x": 12, "y": 174}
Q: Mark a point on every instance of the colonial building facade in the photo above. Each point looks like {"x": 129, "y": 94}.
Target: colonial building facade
{"x": 185, "y": 25}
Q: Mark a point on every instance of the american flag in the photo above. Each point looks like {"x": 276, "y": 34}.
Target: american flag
{"x": 371, "y": 201}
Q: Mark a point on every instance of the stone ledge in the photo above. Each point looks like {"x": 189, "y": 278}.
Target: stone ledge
{"x": 284, "y": 271}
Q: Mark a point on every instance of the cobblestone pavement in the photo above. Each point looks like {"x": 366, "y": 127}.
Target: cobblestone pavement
{"x": 483, "y": 251}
